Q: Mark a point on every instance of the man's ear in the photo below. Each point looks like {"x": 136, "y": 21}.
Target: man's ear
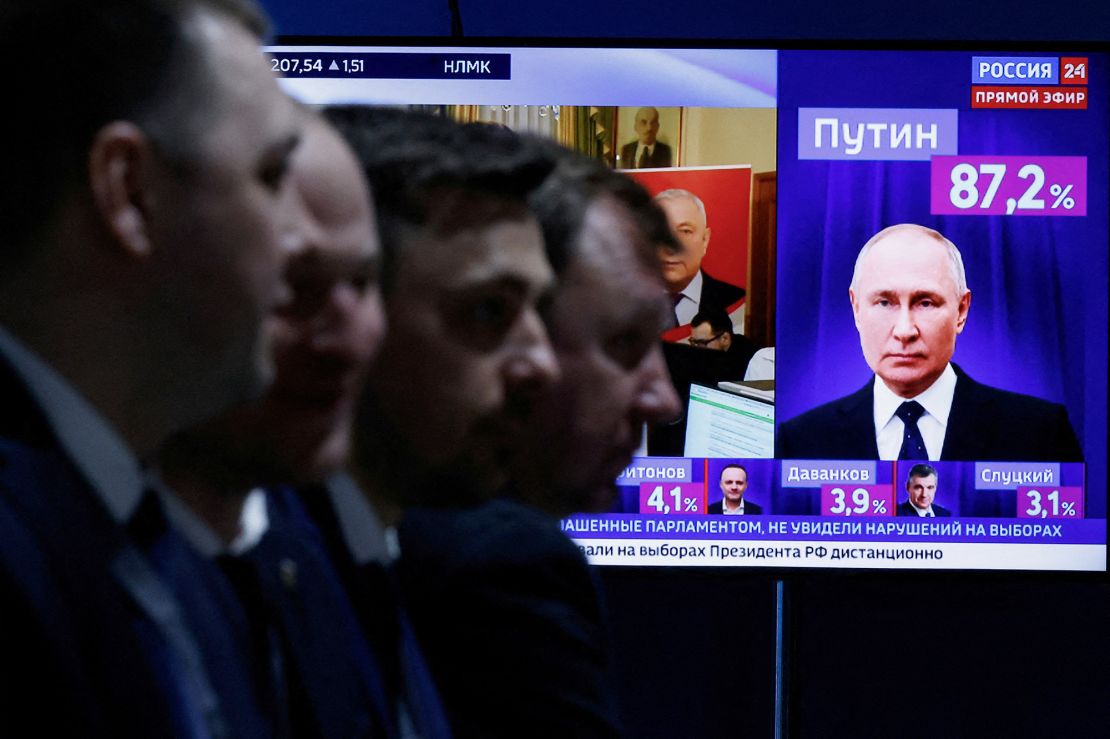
{"x": 118, "y": 159}
{"x": 855, "y": 306}
{"x": 963, "y": 308}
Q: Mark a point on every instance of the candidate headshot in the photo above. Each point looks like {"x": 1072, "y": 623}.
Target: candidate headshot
{"x": 910, "y": 299}
{"x": 691, "y": 288}
{"x": 646, "y": 151}
{"x": 921, "y": 489}
{"x": 734, "y": 483}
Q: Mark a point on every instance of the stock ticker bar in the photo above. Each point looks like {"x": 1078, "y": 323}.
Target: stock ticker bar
{"x": 390, "y": 65}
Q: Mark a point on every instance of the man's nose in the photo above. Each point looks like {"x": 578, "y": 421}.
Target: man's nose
{"x": 532, "y": 363}
{"x": 656, "y": 400}
{"x": 905, "y": 330}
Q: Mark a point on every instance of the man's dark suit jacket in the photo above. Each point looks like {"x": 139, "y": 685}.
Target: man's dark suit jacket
{"x": 120, "y": 632}
{"x": 660, "y": 156}
{"x": 510, "y": 619}
{"x": 985, "y": 424}
{"x": 718, "y": 294}
{"x": 337, "y": 686}
{"x": 380, "y": 616}
{"x": 905, "y": 508}
{"x": 750, "y": 508}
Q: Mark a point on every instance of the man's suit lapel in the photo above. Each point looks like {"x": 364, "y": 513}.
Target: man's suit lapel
{"x": 856, "y": 425}
{"x": 969, "y": 433}
{"x": 77, "y": 532}
{"x": 70, "y": 521}
{"x": 324, "y": 639}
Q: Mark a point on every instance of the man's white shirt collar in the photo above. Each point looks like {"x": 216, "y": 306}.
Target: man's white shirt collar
{"x": 738, "y": 511}
{"x": 105, "y": 460}
{"x": 366, "y": 538}
{"x": 687, "y": 307}
{"x": 254, "y": 522}
{"x": 937, "y": 402}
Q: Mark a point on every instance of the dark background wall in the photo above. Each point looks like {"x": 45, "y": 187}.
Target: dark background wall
{"x": 908, "y": 655}
{"x": 781, "y": 19}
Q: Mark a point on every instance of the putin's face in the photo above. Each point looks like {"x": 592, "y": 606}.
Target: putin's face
{"x": 922, "y": 490}
{"x": 647, "y": 125}
{"x": 692, "y": 237}
{"x": 907, "y": 310}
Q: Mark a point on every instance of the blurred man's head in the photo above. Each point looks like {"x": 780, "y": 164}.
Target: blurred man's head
{"x": 600, "y": 228}
{"x": 647, "y": 125}
{"x": 711, "y": 328}
{"x": 467, "y": 351}
{"x": 910, "y": 300}
{"x": 921, "y": 485}
{"x": 323, "y": 340}
{"x": 733, "y": 483}
{"x": 153, "y": 197}
{"x": 686, "y": 216}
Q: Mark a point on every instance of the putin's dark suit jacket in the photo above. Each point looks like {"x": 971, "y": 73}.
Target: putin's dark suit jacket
{"x": 985, "y": 424}
{"x": 905, "y": 508}
{"x": 750, "y": 508}
{"x": 119, "y": 632}
{"x": 660, "y": 156}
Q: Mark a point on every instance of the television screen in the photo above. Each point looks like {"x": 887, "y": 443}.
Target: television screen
{"x": 910, "y": 252}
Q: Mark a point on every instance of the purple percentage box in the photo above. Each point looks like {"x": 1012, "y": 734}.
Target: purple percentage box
{"x": 1049, "y": 501}
{"x": 857, "y": 500}
{"x": 1008, "y": 186}
{"x": 672, "y": 498}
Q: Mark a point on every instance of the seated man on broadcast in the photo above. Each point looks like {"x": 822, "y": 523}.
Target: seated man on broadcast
{"x": 691, "y": 288}
{"x": 711, "y": 329}
{"x": 910, "y": 299}
{"x": 733, "y": 483}
{"x": 921, "y": 489}
{"x": 713, "y": 354}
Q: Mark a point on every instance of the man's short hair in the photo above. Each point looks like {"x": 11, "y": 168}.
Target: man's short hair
{"x": 560, "y": 205}
{"x": 77, "y": 66}
{"x": 921, "y": 470}
{"x": 677, "y": 192}
{"x": 716, "y": 317}
{"x": 955, "y": 260}
{"x": 734, "y": 466}
{"x": 412, "y": 160}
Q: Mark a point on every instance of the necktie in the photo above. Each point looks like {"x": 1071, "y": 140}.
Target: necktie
{"x": 913, "y": 446}
{"x": 643, "y": 163}
{"x": 676, "y": 298}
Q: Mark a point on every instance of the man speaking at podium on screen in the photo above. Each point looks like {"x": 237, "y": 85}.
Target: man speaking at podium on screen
{"x": 910, "y": 300}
